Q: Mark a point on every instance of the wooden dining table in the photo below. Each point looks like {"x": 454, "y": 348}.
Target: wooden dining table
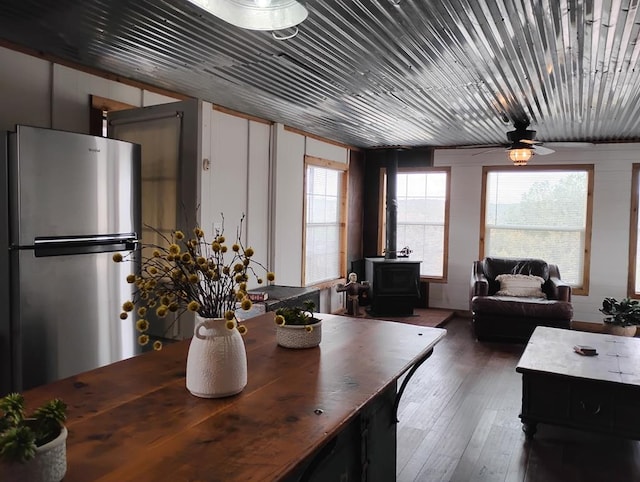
{"x": 312, "y": 414}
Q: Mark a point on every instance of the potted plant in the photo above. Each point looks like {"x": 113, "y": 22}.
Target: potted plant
{"x": 32, "y": 448}
{"x": 188, "y": 272}
{"x": 297, "y": 327}
{"x": 622, "y": 317}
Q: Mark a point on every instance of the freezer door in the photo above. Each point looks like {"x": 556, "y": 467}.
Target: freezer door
{"x": 66, "y": 315}
{"x": 68, "y": 184}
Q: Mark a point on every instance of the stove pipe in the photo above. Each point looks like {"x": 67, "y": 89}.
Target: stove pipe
{"x": 390, "y": 251}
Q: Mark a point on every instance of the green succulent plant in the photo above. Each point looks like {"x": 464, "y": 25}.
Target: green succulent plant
{"x": 20, "y": 435}
{"x": 297, "y": 315}
{"x": 622, "y": 313}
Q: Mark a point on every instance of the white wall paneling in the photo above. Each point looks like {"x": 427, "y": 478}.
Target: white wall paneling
{"x": 610, "y": 230}
{"x": 25, "y": 90}
{"x": 287, "y": 218}
{"x": 258, "y": 190}
{"x": 324, "y": 150}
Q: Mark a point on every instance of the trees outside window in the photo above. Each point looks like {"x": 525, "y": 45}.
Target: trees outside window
{"x": 423, "y": 215}
{"x": 540, "y": 212}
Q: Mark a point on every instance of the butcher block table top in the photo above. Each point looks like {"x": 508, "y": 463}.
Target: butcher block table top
{"x": 135, "y": 420}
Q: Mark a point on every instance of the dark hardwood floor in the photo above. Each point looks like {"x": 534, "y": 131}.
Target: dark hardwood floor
{"x": 459, "y": 422}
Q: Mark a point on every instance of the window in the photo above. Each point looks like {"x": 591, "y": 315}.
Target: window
{"x": 325, "y": 220}
{"x": 540, "y": 212}
{"x": 423, "y": 218}
{"x": 634, "y": 238}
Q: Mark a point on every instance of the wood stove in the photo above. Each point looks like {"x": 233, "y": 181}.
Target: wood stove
{"x": 395, "y": 285}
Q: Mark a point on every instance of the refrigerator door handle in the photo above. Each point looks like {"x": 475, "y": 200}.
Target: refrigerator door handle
{"x": 68, "y": 245}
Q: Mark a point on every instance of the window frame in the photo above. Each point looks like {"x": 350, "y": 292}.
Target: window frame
{"x": 382, "y": 218}
{"x": 342, "y": 223}
{"x": 589, "y": 168}
{"x": 633, "y": 231}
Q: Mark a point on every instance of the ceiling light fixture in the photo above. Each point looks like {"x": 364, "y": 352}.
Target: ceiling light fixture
{"x": 520, "y": 155}
{"x": 256, "y": 14}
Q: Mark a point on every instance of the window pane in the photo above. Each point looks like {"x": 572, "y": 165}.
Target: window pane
{"x": 539, "y": 214}
{"x": 322, "y": 245}
{"x": 421, "y": 218}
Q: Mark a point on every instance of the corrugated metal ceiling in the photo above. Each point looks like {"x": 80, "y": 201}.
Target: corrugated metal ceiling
{"x": 373, "y": 73}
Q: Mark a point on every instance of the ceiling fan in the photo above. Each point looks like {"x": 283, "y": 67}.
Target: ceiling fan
{"x": 523, "y": 144}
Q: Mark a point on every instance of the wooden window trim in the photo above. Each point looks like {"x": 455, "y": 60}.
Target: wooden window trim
{"x": 589, "y": 168}
{"x": 343, "y": 223}
{"x": 97, "y": 105}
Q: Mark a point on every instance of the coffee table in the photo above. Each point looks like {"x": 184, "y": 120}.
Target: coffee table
{"x": 599, "y": 393}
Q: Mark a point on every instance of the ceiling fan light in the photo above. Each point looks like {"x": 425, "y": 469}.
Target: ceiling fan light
{"x": 256, "y": 14}
{"x": 520, "y": 156}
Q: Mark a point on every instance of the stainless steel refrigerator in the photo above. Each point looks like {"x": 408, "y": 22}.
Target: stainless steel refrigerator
{"x": 73, "y": 200}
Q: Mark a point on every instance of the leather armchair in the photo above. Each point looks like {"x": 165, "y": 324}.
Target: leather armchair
{"x": 514, "y": 318}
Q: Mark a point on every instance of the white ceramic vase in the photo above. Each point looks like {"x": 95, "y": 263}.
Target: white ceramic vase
{"x": 217, "y": 360}
{"x": 297, "y": 336}
{"x": 49, "y": 464}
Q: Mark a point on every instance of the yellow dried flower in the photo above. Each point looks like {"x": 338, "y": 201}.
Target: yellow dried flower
{"x": 260, "y": 281}
{"x": 153, "y": 270}
{"x": 309, "y": 328}
{"x": 124, "y": 316}
{"x": 142, "y": 311}
{"x": 157, "y": 345}
{"x": 193, "y": 306}
{"x": 131, "y": 278}
{"x": 242, "y": 329}
{"x": 193, "y": 278}
{"x": 215, "y": 246}
{"x": 271, "y": 276}
{"x": 201, "y": 260}
{"x": 117, "y": 257}
{"x": 238, "y": 267}
{"x": 179, "y": 235}
{"x": 221, "y": 239}
{"x": 235, "y": 247}
{"x": 246, "y": 304}
{"x": 223, "y": 249}
{"x": 173, "y": 307}
{"x": 243, "y": 287}
{"x": 229, "y": 315}
{"x": 186, "y": 257}
{"x": 198, "y": 232}
{"x": 231, "y": 324}
{"x": 161, "y": 311}
{"x": 143, "y": 339}
{"x": 240, "y": 295}
{"x": 248, "y": 252}
{"x": 279, "y": 320}
{"x": 142, "y": 325}
{"x": 156, "y": 253}
{"x": 174, "y": 249}
{"x": 128, "y": 306}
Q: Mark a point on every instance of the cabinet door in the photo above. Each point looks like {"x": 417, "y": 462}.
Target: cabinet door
{"x": 591, "y": 405}
{"x": 545, "y": 398}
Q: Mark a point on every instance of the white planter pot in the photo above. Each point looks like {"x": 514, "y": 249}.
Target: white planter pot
{"x": 620, "y": 330}
{"x": 49, "y": 464}
{"x": 297, "y": 336}
{"x": 217, "y": 360}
